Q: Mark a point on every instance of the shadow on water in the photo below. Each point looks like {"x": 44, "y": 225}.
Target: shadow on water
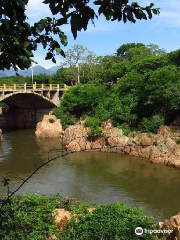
{"x": 91, "y": 176}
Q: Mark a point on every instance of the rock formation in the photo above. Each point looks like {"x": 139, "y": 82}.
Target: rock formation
{"x": 50, "y": 127}
{"x": 61, "y": 218}
{"x": 158, "y": 148}
{"x": 172, "y": 224}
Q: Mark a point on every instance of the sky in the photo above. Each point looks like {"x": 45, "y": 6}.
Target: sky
{"x": 106, "y": 37}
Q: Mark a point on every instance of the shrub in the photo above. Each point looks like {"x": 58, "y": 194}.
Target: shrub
{"x": 125, "y": 129}
{"x": 109, "y": 222}
{"x": 92, "y": 122}
{"x": 95, "y": 133}
{"x": 152, "y": 124}
{"x": 66, "y": 118}
{"x": 51, "y": 120}
{"x": 82, "y": 99}
{"x": 178, "y": 141}
{"x": 28, "y": 217}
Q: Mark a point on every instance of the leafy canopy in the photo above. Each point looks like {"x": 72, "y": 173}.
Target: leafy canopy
{"x": 18, "y": 39}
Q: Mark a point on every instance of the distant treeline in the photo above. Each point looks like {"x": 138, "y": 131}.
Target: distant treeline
{"x": 40, "y": 78}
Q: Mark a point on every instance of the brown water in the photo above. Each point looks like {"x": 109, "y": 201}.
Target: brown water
{"x": 91, "y": 176}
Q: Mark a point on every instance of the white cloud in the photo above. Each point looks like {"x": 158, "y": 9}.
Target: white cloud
{"x": 169, "y": 12}
{"x": 37, "y": 10}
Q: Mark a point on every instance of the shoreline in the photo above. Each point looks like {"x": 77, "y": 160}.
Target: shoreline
{"x": 156, "y": 148}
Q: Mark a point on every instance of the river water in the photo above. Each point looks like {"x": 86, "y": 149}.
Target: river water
{"x": 90, "y": 176}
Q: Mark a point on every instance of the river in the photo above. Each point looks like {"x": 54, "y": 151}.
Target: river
{"x": 90, "y": 176}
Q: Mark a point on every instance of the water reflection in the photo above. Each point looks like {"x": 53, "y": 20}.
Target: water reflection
{"x": 91, "y": 176}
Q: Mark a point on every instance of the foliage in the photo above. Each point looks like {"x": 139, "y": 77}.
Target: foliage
{"x": 39, "y": 78}
{"x": 125, "y": 129}
{"x": 149, "y": 64}
{"x": 152, "y": 124}
{"x": 178, "y": 141}
{"x": 123, "y": 49}
{"x": 113, "y": 221}
{"x": 143, "y": 98}
{"x": 28, "y": 217}
{"x": 20, "y": 39}
{"x": 95, "y": 130}
{"x": 95, "y": 133}
{"x": 65, "y": 75}
{"x": 42, "y": 78}
{"x": 92, "y": 122}
{"x": 82, "y": 99}
{"x": 76, "y": 57}
{"x": 137, "y": 51}
{"x": 174, "y": 57}
{"x": 162, "y": 88}
{"x": 66, "y": 118}
{"x": 51, "y": 120}
{"x": 145, "y": 93}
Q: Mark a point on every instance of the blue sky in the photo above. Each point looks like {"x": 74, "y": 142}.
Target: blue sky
{"x": 106, "y": 37}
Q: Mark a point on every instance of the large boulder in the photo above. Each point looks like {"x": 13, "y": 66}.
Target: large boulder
{"x": 173, "y": 228}
{"x": 50, "y": 127}
{"x": 75, "y": 138}
{"x": 107, "y": 125}
{"x": 61, "y": 218}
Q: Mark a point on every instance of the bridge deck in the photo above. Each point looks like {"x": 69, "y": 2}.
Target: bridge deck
{"x": 32, "y": 87}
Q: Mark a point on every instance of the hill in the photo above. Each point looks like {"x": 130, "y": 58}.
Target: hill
{"x": 27, "y": 72}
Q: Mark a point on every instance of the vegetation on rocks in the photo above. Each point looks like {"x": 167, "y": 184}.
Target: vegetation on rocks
{"x": 30, "y": 217}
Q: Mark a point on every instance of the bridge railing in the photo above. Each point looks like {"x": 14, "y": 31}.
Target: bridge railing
{"x": 34, "y": 86}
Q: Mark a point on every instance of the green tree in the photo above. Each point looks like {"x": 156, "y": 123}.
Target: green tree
{"x": 78, "y": 62}
{"x": 65, "y": 75}
{"x": 155, "y": 50}
{"x": 19, "y": 39}
{"x": 137, "y": 51}
{"x": 124, "y": 49}
{"x": 174, "y": 57}
{"x": 42, "y": 78}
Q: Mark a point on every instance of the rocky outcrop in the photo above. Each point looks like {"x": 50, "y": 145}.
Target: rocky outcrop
{"x": 50, "y": 127}
{"x": 75, "y": 139}
{"x": 173, "y": 228}
{"x": 158, "y": 148}
{"x": 61, "y": 218}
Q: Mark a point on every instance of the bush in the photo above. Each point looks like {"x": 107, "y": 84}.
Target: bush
{"x": 110, "y": 222}
{"x": 28, "y": 217}
{"x": 95, "y": 133}
{"x": 178, "y": 141}
{"x": 125, "y": 129}
{"x": 51, "y": 120}
{"x": 83, "y": 99}
{"x": 66, "y": 118}
{"x": 152, "y": 124}
{"x": 92, "y": 122}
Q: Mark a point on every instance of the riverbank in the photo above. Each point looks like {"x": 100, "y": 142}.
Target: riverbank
{"x": 157, "y": 148}
{"x": 41, "y": 217}
{"x": 98, "y": 172}
{"x": 162, "y": 147}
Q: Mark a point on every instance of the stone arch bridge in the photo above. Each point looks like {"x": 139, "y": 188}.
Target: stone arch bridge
{"x": 27, "y": 103}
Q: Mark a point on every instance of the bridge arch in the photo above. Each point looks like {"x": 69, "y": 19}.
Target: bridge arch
{"x": 27, "y": 100}
{"x": 28, "y": 103}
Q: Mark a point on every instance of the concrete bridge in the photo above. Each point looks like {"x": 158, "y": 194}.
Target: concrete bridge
{"x": 27, "y": 103}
